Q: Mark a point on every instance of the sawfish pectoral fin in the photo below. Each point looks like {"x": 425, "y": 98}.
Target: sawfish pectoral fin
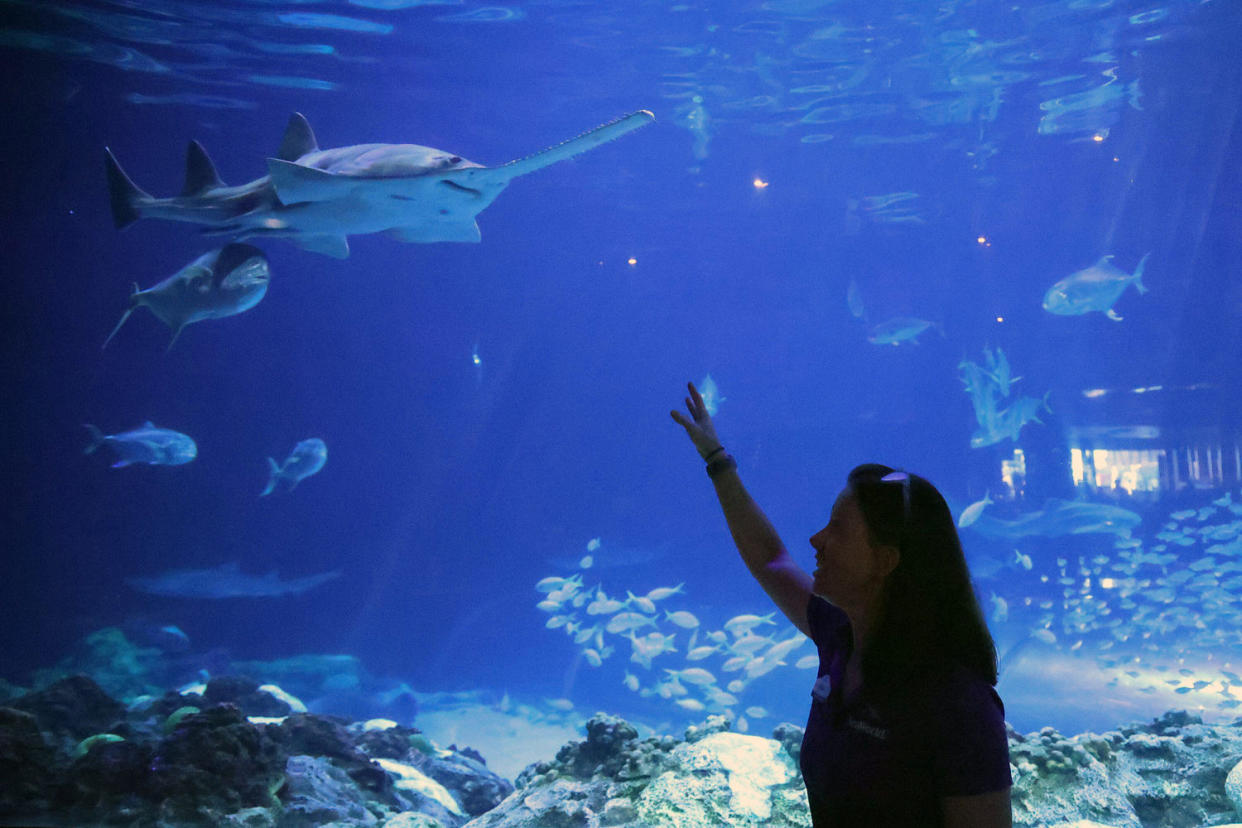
{"x": 335, "y": 246}
{"x": 295, "y": 183}
{"x": 439, "y": 232}
{"x": 582, "y": 143}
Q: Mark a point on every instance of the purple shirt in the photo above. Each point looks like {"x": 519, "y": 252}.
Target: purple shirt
{"x": 888, "y": 769}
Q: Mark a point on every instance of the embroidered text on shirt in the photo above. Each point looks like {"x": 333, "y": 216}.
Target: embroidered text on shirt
{"x": 869, "y": 729}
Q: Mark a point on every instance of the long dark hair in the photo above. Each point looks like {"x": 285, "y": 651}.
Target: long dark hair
{"x": 931, "y": 617}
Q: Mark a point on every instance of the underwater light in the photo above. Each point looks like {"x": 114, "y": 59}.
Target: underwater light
{"x": 760, "y": 184}
{"x": 982, "y": 240}
{"x": 631, "y": 261}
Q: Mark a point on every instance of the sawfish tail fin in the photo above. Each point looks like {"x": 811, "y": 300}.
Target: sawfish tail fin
{"x": 1138, "y": 275}
{"x": 200, "y": 172}
{"x": 98, "y": 438}
{"x": 582, "y": 143}
{"x": 274, "y": 468}
{"x": 125, "y": 196}
{"x": 134, "y": 301}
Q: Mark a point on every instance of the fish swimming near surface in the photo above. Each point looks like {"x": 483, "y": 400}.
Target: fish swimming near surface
{"x": 226, "y": 581}
{"x": 307, "y": 458}
{"x": 1095, "y": 288}
{"x": 316, "y": 198}
{"x": 148, "y": 443}
{"x": 226, "y": 281}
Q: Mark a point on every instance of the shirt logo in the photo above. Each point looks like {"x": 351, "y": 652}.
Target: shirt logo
{"x": 870, "y": 729}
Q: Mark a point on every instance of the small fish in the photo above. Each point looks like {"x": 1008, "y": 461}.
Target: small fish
{"x": 307, "y": 458}
{"x": 224, "y": 282}
{"x": 1000, "y": 609}
{"x": 148, "y": 444}
{"x": 854, "y": 299}
{"x": 971, "y": 513}
{"x": 710, "y": 394}
{"x": 1095, "y": 288}
{"x": 899, "y": 330}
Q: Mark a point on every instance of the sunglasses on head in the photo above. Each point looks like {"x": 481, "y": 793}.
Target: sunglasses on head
{"x": 904, "y": 479}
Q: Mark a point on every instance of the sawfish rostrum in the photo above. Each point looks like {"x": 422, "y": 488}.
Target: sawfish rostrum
{"x": 224, "y": 282}
{"x": 316, "y": 198}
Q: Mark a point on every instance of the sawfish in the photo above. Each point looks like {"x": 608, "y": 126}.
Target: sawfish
{"x": 316, "y": 198}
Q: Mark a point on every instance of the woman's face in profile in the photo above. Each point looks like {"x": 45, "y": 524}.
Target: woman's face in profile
{"x": 845, "y": 560}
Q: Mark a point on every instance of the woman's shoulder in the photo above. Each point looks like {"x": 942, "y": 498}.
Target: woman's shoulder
{"x": 954, "y": 690}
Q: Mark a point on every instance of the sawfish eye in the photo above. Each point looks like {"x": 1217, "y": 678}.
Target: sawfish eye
{"x": 455, "y": 159}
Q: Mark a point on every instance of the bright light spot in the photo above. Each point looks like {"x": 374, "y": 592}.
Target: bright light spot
{"x": 631, "y": 261}
{"x": 273, "y": 224}
{"x": 1099, "y": 137}
{"x": 1107, "y": 583}
{"x": 1115, "y": 159}
{"x": 982, "y": 240}
{"x": 760, "y": 184}
{"x": 1092, "y": 393}
{"x": 1000, "y": 319}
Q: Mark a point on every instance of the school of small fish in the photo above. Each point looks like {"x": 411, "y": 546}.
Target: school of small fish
{"x": 672, "y": 655}
{"x": 1149, "y": 607}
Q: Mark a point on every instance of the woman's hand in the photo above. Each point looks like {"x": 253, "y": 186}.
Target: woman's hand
{"x": 699, "y": 426}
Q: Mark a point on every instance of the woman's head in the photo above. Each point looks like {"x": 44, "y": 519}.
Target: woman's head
{"x": 930, "y": 612}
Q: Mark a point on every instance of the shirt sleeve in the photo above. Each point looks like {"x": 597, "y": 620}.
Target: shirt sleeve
{"x": 971, "y": 748}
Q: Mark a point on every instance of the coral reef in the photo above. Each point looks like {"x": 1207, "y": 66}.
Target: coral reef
{"x": 240, "y": 754}
{"x": 71, "y": 755}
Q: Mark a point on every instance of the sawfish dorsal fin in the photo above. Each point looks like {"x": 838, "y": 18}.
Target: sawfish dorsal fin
{"x": 299, "y": 139}
{"x": 231, "y": 257}
{"x": 200, "y": 173}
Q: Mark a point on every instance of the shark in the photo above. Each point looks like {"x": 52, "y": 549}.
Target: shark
{"x": 317, "y": 198}
{"x": 223, "y": 282}
{"x": 226, "y": 581}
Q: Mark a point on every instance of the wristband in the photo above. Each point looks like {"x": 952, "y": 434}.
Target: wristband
{"x": 720, "y": 464}
{"x": 713, "y": 453}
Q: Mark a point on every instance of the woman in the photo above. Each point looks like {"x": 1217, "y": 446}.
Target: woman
{"x": 905, "y": 727}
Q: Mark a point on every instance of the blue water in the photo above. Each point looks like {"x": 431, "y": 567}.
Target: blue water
{"x": 490, "y": 409}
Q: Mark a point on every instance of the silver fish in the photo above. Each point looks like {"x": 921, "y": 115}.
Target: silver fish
{"x": 1095, "y": 288}
{"x": 148, "y": 444}
{"x": 226, "y": 281}
{"x": 307, "y": 458}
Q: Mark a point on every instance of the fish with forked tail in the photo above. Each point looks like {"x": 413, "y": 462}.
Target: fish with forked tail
{"x": 307, "y": 458}
{"x": 148, "y": 443}
{"x": 226, "y": 281}
{"x": 1094, "y": 288}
